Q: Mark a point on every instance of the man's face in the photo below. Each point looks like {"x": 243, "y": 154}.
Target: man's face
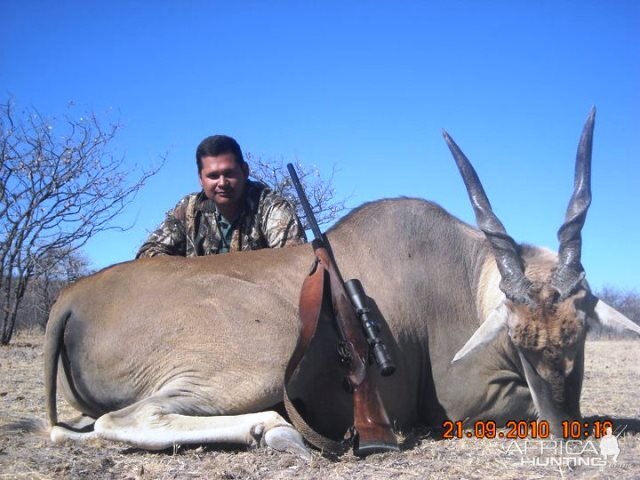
{"x": 223, "y": 180}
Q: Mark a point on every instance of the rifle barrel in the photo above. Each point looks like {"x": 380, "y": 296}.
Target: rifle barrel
{"x": 311, "y": 219}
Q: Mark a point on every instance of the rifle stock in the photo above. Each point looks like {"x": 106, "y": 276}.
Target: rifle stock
{"x": 374, "y": 432}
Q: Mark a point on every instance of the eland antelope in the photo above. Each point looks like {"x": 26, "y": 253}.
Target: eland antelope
{"x": 165, "y": 350}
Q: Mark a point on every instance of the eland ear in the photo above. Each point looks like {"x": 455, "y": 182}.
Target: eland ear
{"x": 611, "y": 319}
{"x": 486, "y": 333}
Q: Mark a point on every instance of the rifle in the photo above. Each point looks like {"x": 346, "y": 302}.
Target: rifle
{"x": 359, "y": 342}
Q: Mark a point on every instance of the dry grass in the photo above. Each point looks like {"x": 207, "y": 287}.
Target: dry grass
{"x": 611, "y": 388}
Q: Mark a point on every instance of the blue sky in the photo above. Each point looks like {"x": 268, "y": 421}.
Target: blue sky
{"x": 363, "y": 85}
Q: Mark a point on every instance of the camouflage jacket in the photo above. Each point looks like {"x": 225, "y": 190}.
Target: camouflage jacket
{"x": 194, "y": 227}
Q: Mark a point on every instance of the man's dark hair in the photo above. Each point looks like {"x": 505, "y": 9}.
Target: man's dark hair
{"x": 218, "y": 145}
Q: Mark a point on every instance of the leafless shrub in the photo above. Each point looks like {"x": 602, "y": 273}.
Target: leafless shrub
{"x": 61, "y": 182}
{"x": 320, "y": 191}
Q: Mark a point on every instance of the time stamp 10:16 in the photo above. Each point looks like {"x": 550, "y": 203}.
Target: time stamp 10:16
{"x": 571, "y": 429}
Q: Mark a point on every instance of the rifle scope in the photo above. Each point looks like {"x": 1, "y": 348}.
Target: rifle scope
{"x": 370, "y": 326}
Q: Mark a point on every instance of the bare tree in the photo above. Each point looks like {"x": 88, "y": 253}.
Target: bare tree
{"x": 319, "y": 190}
{"x": 60, "y": 184}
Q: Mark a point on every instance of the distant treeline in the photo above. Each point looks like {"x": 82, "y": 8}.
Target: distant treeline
{"x": 626, "y": 302}
{"x": 38, "y": 300}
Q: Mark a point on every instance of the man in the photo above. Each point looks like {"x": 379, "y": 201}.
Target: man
{"x": 231, "y": 213}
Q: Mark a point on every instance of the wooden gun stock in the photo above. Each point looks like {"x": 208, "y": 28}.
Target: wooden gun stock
{"x": 373, "y": 430}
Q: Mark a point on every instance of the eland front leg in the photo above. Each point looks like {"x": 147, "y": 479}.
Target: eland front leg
{"x": 150, "y": 425}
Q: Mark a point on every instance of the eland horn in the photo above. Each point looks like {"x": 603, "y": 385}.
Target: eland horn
{"x": 569, "y": 272}
{"x": 513, "y": 283}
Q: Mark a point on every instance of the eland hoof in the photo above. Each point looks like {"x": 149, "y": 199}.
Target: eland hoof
{"x": 287, "y": 439}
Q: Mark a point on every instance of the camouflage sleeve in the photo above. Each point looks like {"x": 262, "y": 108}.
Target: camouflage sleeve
{"x": 280, "y": 224}
{"x": 169, "y": 238}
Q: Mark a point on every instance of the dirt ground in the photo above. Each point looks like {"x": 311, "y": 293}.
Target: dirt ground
{"x": 611, "y": 387}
